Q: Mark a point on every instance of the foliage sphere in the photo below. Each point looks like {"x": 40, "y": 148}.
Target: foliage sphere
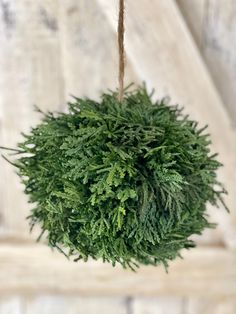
{"x": 125, "y": 182}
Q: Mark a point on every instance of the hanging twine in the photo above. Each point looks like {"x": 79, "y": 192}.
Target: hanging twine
{"x": 121, "y": 30}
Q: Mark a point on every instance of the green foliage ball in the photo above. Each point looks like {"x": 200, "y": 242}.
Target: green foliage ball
{"x": 125, "y": 182}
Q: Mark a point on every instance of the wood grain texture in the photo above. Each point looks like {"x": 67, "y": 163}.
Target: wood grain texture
{"x": 50, "y": 304}
{"x": 209, "y": 306}
{"x": 175, "y": 305}
{"x": 194, "y": 14}
{"x": 31, "y": 74}
{"x": 90, "y": 50}
{"x": 11, "y": 305}
{"x": 161, "y": 305}
{"x": 35, "y": 269}
{"x": 213, "y": 24}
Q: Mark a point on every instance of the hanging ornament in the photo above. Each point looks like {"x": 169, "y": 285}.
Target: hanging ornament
{"x": 124, "y": 180}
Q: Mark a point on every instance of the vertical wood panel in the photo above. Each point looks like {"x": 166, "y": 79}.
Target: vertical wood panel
{"x": 11, "y": 305}
{"x": 219, "y": 49}
{"x": 194, "y": 14}
{"x": 75, "y": 305}
{"x": 161, "y": 305}
{"x": 31, "y": 73}
{"x": 209, "y": 306}
{"x": 89, "y": 49}
{"x": 213, "y": 24}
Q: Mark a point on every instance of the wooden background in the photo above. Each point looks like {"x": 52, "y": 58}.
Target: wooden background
{"x": 52, "y": 49}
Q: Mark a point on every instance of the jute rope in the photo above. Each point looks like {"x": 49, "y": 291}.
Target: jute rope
{"x": 121, "y": 31}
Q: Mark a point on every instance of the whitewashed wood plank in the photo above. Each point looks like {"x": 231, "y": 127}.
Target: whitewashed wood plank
{"x": 194, "y": 14}
{"x": 161, "y": 305}
{"x": 11, "y": 305}
{"x": 46, "y": 304}
{"x": 89, "y": 46}
{"x": 34, "y": 269}
{"x": 165, "y": 56}
{"x": 209, "y": 306}
{"x": 219, "y": 49}
{"x": 213, "y": 24}
{"x": 49, "y": 304}
{"x": 31, "y": 73}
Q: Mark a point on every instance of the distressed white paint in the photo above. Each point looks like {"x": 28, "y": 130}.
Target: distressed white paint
{"x": 11, "y": 305}
{"x": 31, "y": 74}
{"x": 193, "y": 13}
{"x": 210, "y": 306}
{"x": 160, "y": 305}
{"x": 49, "y": 304}
{"x": 89, "y": 47}
{"x": 213, "y": 24}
